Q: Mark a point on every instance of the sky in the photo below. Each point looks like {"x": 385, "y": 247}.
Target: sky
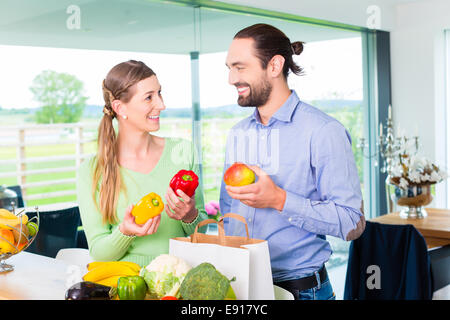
{"x": 332, "y": 68}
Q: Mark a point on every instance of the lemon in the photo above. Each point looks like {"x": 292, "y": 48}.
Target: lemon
{"x": 230, "y": 294}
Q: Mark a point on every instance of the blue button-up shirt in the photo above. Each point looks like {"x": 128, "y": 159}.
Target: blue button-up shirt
{"x": 308, "y": 154}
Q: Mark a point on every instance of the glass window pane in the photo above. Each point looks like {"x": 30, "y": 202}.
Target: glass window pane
{"x": 332, "y": 82}
{"x": 85, "y": 40}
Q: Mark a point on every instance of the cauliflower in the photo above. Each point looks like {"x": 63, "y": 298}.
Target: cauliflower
{"x": 164, "y": 275}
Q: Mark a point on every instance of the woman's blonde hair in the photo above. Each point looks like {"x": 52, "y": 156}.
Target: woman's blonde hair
{"x": 118, "y": 85}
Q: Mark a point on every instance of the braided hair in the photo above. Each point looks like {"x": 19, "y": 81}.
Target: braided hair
{"x": 107, "y": 182}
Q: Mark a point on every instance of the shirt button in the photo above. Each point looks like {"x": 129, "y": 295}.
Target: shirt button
{"x": 249, "y": 219}
{"x": 290, "y": 219}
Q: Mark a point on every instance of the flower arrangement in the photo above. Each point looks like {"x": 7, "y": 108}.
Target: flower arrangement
{"x": 415, "y": 171}
{"x": 213, "y": 210}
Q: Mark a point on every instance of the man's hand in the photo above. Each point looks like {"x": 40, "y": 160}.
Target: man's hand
{"x": 357, "y": 232}
{"x": 262, "y": 194}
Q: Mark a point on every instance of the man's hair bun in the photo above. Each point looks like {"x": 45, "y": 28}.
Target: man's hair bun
{"x": 297, "y": 47}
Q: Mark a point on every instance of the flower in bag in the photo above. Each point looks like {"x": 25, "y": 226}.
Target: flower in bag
{"x": 213, "y": 209}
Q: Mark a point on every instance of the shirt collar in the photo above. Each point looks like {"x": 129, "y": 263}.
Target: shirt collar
{"x": 284, "y": 113}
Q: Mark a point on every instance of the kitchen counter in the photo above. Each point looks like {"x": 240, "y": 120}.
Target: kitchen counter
{"x": 35, "y": 277}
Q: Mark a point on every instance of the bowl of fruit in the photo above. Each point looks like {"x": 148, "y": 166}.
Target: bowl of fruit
{"x": 17, "y": 232}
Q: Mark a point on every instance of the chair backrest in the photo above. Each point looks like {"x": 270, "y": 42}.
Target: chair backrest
{"x": 388, "y": 262}
{"x": 57, "y": 230}
{"x": 18, "y": 190}
{"x": 75, "y": 256}
{"x": 440, "y": 266}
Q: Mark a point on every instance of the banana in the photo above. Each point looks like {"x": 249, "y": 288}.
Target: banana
{"x": 109, "y": 270}
{"x": 110, "y": 282}
{"x": 97, "y": 264}
{"x": 6, "y": 214}
{"x": 8, "y": 220}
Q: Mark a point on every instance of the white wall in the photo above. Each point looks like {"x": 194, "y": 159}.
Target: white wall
{"x": 418, "y": 63}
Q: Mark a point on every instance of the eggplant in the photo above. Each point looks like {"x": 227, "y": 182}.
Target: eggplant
{"x": 87, "y": 290}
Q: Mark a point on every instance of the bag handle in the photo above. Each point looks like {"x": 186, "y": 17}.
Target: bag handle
{"x": 194, "y": 236}
{"x": 237, "y": 217}
{"x": 220, "y": 227}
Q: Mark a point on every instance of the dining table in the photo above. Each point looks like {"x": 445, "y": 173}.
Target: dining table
{"x": 48, "y": 207}
{"x": 435, "y": 227}
{"x": 36, "y": 277}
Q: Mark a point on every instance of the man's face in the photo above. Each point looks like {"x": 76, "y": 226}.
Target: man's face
{"x": 247, "y": 74}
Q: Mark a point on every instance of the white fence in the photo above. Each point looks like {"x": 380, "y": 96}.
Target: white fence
{"x": 23, "y": 137}
{"x": 18, "y": 168}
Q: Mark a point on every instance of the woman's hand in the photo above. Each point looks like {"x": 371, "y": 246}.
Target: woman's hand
{"x": 130, "y": 228}
{"x": 177, "y": 209}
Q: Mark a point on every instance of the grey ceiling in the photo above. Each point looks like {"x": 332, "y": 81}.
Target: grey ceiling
{"x": 135, "y": 25}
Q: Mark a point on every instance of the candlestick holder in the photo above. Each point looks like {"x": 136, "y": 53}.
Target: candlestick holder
{"x": 390, "y": 148}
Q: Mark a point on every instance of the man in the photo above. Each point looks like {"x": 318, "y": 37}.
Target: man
{"x": 307, "y": 183}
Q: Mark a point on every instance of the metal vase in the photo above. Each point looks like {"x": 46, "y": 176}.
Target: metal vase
{"x": 412, "y": 200}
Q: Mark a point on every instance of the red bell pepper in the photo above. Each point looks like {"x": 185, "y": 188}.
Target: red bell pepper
{"x": 169, "y": 298}
{"x": 186, "y": 181}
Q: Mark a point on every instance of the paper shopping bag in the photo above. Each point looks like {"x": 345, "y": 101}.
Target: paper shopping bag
{"x": 244, "y": 258}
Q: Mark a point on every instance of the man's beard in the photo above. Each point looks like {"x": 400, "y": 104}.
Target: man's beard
{"x": 258, "y": 96}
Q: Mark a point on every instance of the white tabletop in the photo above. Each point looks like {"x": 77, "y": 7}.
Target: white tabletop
{"x": 50, "y": 207}
{"x": 35, "y": 277}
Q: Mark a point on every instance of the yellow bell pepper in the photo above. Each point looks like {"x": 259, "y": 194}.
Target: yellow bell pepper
{"x": 148, "y": 207}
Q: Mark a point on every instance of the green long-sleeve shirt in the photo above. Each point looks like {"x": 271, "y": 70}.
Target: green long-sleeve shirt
{"x": 105, "y": 241}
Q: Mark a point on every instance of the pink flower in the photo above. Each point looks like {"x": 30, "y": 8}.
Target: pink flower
{"x": 215, "y": 204}
{"x": 210, "y": 209}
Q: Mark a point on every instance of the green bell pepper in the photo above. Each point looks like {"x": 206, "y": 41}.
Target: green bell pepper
{"x": 131, "y": 288}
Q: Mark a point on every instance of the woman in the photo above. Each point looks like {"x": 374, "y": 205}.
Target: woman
{"x": 130, "y": 165}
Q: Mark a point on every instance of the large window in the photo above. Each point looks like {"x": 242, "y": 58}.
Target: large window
{"x": 447, "y": 83}
{"x": 186, "y": 46}
{"x": 332, "y": 81}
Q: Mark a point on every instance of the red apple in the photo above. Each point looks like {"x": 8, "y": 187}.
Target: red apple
{"x": 239, "y": 175}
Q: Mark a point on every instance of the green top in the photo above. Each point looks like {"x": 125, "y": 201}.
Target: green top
{"x": 105, "y": 241}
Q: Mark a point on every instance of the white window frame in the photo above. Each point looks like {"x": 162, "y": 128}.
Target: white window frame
{"x": 447, "y": 111}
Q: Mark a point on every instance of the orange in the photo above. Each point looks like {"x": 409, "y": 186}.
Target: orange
{"x": 7, "y": 241}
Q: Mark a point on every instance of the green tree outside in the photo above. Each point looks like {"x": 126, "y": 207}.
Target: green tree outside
{"x": 61, "y": 97}
{"x": 352, "y": 119}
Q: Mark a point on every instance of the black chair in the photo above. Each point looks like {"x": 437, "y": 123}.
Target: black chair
{"x": 81, "y": 237}
{"x": 388, "y": 262}
{"x": 57, "y": 230}
{"x": 18, "y": 190}
{"x": 440, "y": 266}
